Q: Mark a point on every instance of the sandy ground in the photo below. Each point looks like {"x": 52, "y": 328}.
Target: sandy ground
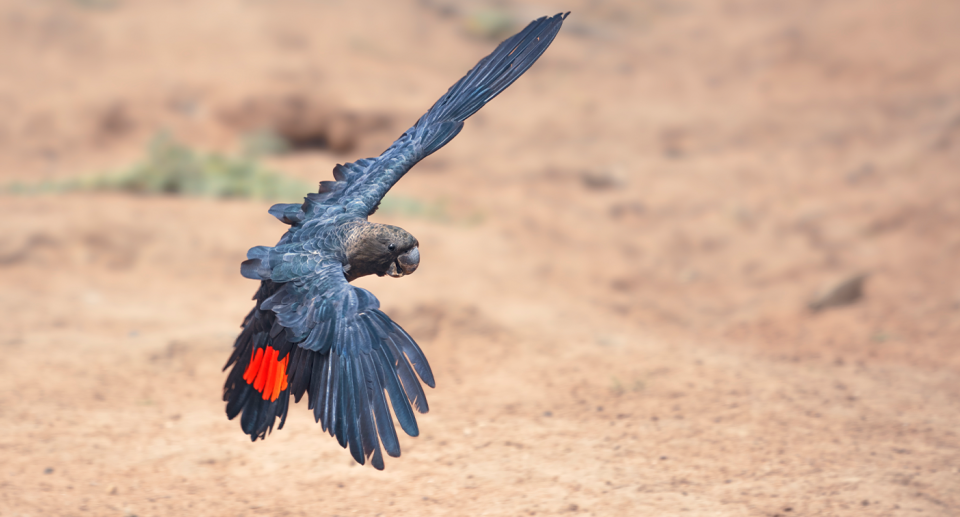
{"x": 614, "y": 304}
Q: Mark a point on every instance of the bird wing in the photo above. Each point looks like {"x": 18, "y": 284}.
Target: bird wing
{"x": 359, "y": 186}
{"x": 347, "y": 354}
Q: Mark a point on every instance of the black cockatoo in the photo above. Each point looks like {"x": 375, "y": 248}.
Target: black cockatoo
{"x": 311, "y": 331}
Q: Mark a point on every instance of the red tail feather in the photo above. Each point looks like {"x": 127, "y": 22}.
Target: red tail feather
{"x": 266, "y": 373}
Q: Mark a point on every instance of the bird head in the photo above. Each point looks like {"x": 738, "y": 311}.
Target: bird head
{"x": 404, "y": 252}
{"x": 381, "y": 249}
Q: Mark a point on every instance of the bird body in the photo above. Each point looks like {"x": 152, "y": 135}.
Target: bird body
{"x": 313, "y": 333}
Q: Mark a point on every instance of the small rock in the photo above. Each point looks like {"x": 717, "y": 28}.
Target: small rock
{"x": 48, "y": 470}
{"x": 601, "y": 180}
{"x": 845, "y": 292}
{"x": 859, "y": 174}
{"x": 627, "y": 208}
{"x": 302, "y": 121}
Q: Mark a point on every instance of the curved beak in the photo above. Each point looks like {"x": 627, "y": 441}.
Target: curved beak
{"x": 409, "y": 261}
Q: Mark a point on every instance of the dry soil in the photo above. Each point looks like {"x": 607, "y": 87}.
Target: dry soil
{"x": 617, "y": 257}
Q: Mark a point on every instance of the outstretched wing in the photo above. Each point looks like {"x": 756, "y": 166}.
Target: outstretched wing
{"x": 328, "y": 339}
{"x": 360, "y": 185}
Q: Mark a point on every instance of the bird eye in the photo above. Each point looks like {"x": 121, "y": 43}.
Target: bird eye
{"x": 392, "y": 247}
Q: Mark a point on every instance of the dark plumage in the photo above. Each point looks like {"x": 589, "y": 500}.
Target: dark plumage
{"x": 311, "y": 331}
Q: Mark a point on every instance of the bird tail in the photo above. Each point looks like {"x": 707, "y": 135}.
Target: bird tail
{"x": 257, "y": 387}
{"x": 485, "y": 81}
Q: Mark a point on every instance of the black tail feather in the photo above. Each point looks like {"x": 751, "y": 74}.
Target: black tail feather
{"x": 258, "y": 413}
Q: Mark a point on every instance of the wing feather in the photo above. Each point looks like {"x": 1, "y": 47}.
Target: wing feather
{"x": 352, "y": 422}
{"x": 331, "y": 389}
{"x": 398, "y": 399}
{"x": 388, "y": 435}
{"x": 342, "y": 351}
{"x": 361, "y": 185}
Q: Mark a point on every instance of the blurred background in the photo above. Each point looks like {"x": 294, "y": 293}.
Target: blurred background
{"x": 703, "y": 257}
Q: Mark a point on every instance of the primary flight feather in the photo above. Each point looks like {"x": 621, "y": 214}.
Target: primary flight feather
{"x": 313, "y": 333}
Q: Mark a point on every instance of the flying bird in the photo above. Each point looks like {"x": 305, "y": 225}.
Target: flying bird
{"x": 313, "y": 333}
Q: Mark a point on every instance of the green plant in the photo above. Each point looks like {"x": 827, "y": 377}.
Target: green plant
{"x": 437, "y": 211}
{"x": 173, "y": 168}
